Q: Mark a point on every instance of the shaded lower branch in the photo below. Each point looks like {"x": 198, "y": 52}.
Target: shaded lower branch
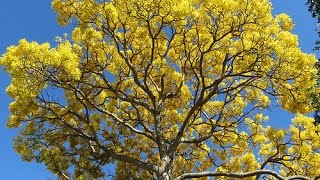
{"x": 242, "y": 175}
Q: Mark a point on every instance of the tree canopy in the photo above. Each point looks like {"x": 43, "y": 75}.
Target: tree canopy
{"x": 165, "y": 89}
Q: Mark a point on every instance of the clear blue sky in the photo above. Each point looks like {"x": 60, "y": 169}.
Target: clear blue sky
{"x": 35, "y": 20}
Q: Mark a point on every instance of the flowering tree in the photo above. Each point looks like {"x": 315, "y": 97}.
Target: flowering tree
{"x": 165, "y": 89}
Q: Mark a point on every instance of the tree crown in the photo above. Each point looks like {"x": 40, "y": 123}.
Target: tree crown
{"x": 165, "y": 89}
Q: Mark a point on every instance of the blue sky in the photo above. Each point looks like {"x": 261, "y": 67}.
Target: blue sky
{"x": 35, "y": 21}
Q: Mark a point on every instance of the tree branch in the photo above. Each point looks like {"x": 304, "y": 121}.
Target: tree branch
{"x": 242, "y": 175}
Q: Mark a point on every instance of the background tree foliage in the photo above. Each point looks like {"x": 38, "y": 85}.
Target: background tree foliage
{"x": 165, "y": 89}
{"x": 314, "y": 8}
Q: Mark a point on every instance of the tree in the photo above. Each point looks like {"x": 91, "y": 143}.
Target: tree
{"x": 165, "y": 89}
{"x": 314, "y": 8}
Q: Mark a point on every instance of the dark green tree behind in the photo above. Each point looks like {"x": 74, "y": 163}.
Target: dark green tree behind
{"x": 314, "y": 8}
{"x": 316, "y": 99}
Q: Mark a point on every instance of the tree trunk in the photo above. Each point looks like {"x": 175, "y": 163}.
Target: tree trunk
{"x": 165, "y": 176}
{"x": 165, "y": 172}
